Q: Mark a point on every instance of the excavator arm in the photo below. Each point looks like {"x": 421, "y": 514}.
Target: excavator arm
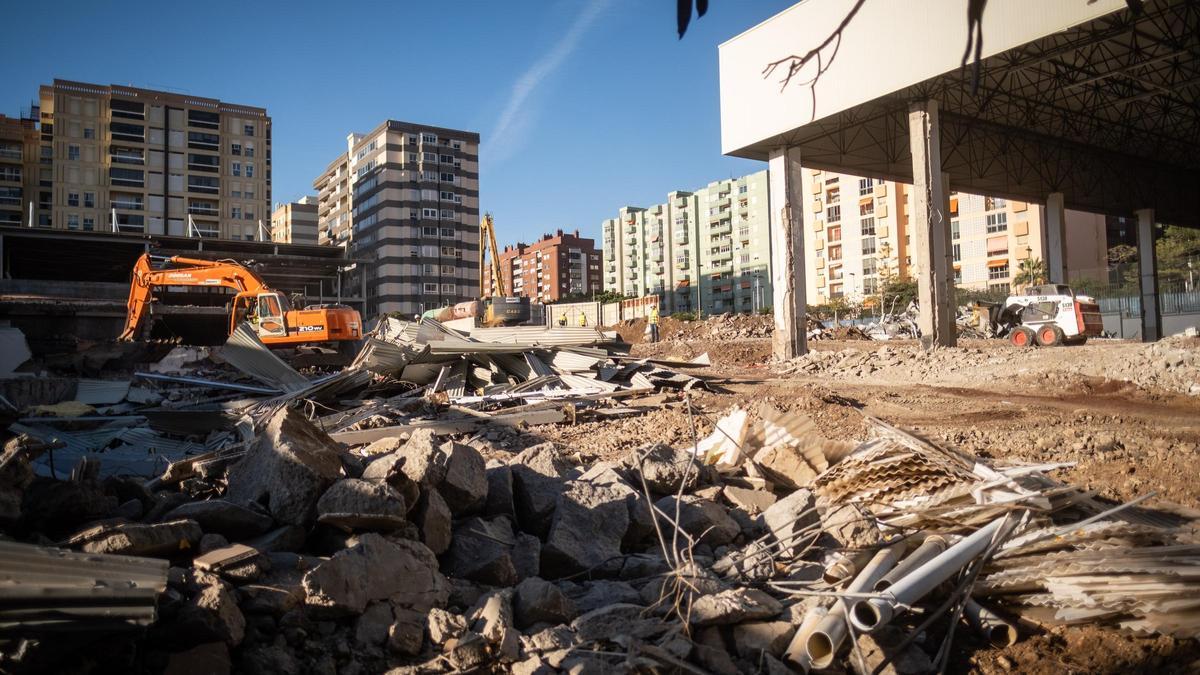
{"x": 488, "y": 229}
{"x": 185, "y": 272}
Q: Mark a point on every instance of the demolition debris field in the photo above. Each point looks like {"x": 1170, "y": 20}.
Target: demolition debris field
{"x": 536, "y": 501}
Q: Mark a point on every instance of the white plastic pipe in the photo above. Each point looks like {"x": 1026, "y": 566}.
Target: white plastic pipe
{"x": 869, "y": 615}
{"x": 998, "y": 631}
{"x": 928, "y": 550}
{"x": 823, "y": 644}
{"x": 797, "y": 652}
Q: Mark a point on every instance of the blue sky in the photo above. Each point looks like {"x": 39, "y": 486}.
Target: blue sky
{"x": 584, "y": 105}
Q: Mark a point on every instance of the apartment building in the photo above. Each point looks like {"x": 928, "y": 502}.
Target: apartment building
{"x": 406, "y": 196}
{"x": 157, "y": 162}
{"x": 295, "y": 222}
{"x": 18, "y": 168}
{"x": 706, "y": 250}
{"x": 554, "y": 267}
{"x": 858, "y": 234}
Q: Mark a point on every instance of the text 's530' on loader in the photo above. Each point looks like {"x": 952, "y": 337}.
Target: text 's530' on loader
{"x": 269, "y": 311}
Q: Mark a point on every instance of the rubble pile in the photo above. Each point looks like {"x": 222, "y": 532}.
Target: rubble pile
{"x": 362, "y": 521}
{"x": 1172, "y": 364}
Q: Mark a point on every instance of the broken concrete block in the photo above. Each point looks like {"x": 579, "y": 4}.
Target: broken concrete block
{"x": 270, "y": 599}
{"x": 595, "y": 594}
{"x": 641, "y": 520}
{"x": 286, "y": 538}
{"x": 407, "y": 632}
{"x": 390, "y": 469}
{"x": 691, "y": 581}
{"x": 607, "y": 622}
{"x": 210, "y": 658}
{"x": 587, "y": 529}
{"x": 790, "y": 515}
{"x": 212, "y": 614}
{"x": 220, "y": 516}
{"x": 406, "y": 572}
{"x": 539, "y": 476}
{"x": 527, "y": 556}
{"x": 663, "y": 468}
{"x": 445, "y": 626}
{"x": 500, "y": 492}
{"x": 548, "y": 639}
{"x": 733, "y": 606}
{"x": 850, "y": 526}
{"x": 464, "y": 485}
{"x": 288, "y": 468}
{"x": 703, "y": 519}
{"x": 754, "y": 637}
{"x": 753, "y": 502}
{"x": 482, "y": 550}
{"x": 424, "y": 461}
{"x": 433, "y": 520}
{"x": 154, "y": 540}
{"x": 536, "y": 600}
{"x": 715, "y": 660}
{"x": 884, "y": 642}
{"x": 371, "y": 628}
{"x": 494, "y": 621}
{"x": 468, "y": 652}
{"x": 354, "y": 504}
{"x": 785, "y": 464}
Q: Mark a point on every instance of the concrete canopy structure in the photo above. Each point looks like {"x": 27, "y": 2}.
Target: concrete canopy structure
{"x": 1081, "y": 104}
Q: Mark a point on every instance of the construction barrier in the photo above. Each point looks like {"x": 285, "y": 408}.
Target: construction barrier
{"x": 608, "y": 314}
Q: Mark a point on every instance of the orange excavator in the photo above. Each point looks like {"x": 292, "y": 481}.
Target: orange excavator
{"x": 269, "y": 311}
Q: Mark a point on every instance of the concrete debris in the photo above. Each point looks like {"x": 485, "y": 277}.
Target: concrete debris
{"x": 407, "y": 514}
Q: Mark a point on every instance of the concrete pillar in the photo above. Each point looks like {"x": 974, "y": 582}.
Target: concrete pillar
{"x": 786, "y": 199}
{"x": 931, "y": 228}
{"x": 1148, "y": 276}
{"x": 1056, "y": 239}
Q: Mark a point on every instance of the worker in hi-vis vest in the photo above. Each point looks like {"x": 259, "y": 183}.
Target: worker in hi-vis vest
{"x": 653, "y": 319}
{"x": 562, "y": 320}
{"x": 582, "y": 320}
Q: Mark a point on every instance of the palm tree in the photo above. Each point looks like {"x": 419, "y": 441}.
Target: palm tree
{"x": 1031, "y": 272}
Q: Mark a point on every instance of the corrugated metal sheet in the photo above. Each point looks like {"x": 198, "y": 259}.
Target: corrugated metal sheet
{"x": 101, "y": 392}
{"x": 572, "y": 362}
{"x": 540, "y": 336}
{"x": 538, "y": 366}
{"x": 56, "y": 589}
{"x": 248, "y": 354}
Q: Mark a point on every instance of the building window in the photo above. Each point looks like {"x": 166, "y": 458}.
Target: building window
{"x": 248, "y": 130}
{"x": 89, "y": 132}
{"x": 998, "y": 272}
{"x": 870, "y": 286}
{"x": 429, "y": 231}
{"x": 412, "y": 157}
{"x": 868, "y": 226}
{"x": 429, "y": 138}
{"x": 835, "y": 253}
{"x": 833, "y": 214}
{"x": 236, "y": 213}
{"x": 235, "y": 148}
{"x": 428, "y": 156}
{"x": 430, "y": 287}
{"x": 864, "y": 187}
{"x": 431, "y": 214}
{"x": 447, "y": 232}
{"x": 73, "y": 152}
{"x": 954, "y": 232}
{"x": 834, "y": 233}
{"x": 867, "y": 208}
{"x": 868, "y": 246}
{"x": 833, "y": 194}
{"x": 957, "y": 251}
{"x": 249, "y": 170}
{"x": 249, "y": 213}
{"x": 72, "y": 199}
{"x": 992, "y": 203}
{"x": 73, "y": 221}
{"x": 236, "y": 168}
{"x": 89, "y": 200}
{"x": 448, "y": 289}
{"x": 997, "y": 222}
{"x": 835, "y": 290}
{"x": 957, "y": 277}
{"x": 89, "y": 223}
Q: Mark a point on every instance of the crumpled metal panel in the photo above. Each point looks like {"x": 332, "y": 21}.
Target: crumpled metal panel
{"x": 101, "y": 392}
{"x": 248, "y": 354}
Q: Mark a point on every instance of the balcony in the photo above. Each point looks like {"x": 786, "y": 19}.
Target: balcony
{"x": 721, "y": 267}
{"x": 724, "y": 227}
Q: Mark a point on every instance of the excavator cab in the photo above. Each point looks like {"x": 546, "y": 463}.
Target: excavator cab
{"x": 272, "y": 310}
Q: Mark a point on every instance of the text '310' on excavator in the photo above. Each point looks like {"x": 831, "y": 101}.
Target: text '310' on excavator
{"x": 269, "y": 311}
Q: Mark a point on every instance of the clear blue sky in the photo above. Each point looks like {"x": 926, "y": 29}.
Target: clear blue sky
{"x": 584, "y": 105}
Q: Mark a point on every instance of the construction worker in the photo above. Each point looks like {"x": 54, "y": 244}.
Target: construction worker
{"x": 562, "y": 320}
{"x": 653, "y": 319}
{"x": 582, "y": 320}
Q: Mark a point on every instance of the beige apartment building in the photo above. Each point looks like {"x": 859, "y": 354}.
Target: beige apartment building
{"x": 406, "y": 196}
{"x": 706, "y": 250}
{"x": 857, "y": 234}
{"x": 18, "y": 168}
{"x": 159, "y": 162}
{"x": 295, "y": 222}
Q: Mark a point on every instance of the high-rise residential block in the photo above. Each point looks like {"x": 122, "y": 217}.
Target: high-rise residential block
{"x": 295, "y": 222}
{"x": 554, "y": 267}
{"x": 406, "y": 196}
{"x": 858, "y": 234}
{"x": 153, "y": 160}
{"x": 18, "y": 168}
{"x": 709, "y": 249}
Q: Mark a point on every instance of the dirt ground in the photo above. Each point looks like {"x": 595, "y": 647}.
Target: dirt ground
{"x": 1121, "y": 411}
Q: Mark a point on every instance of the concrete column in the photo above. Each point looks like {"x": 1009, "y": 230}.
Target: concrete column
{"x": 1056, "y": 239}
{"x": 931, "y": 228}
{"x": 787, "y": 204}
{"x": 1148, "y": 276}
